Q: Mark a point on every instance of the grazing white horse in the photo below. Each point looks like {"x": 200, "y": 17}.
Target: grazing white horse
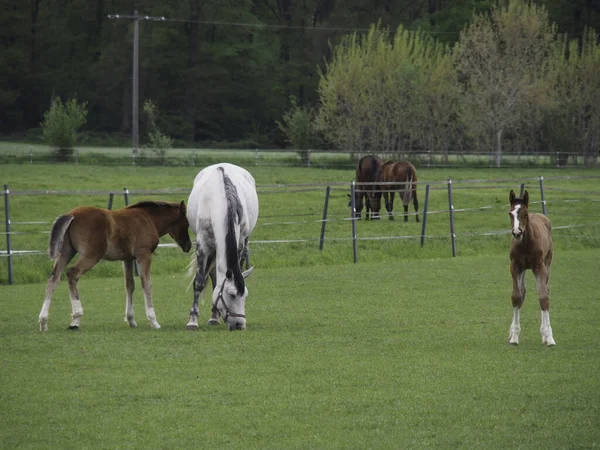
{"x": 222, "y": 211}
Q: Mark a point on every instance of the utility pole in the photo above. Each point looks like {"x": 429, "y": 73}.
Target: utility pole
{"x": 135, "y": 110}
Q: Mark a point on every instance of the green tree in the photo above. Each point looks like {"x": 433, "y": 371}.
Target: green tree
{"x": 502, "y": 58}
{"x": 60, "y": 125}
{"x": 574, "y": 121}
{"x": 388, "y": 94}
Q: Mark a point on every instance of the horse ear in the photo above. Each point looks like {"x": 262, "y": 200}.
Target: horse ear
{"x": 511, "y": 196}
{"x": 182, "y": 206}
{"x": 229, "y": 274}
{"x": 526, "y": 198}
{"x": 246, "y": 273}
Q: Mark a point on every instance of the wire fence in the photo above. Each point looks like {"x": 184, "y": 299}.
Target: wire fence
{"x": 323, "y": 158}
{"x": 329, "y": 218}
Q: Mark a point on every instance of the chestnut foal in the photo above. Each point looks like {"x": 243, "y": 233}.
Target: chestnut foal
{"x": 531, "y": 248}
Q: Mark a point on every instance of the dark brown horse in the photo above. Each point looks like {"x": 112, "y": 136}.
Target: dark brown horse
{"x": 129, "y": 234}
{"x": 404, "y": 176}
{"x": 531, "y": 248}
{"x": 366, "y": 172}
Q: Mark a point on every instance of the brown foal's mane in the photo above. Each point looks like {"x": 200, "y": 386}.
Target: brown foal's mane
{"x": 152, "y": 204}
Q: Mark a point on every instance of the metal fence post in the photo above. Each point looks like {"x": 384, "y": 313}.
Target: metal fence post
{"x": 542, "y": 194}
{"x": 30, "y": 155}
{"x": 353, "y": 220}
{"x": 256, "y": 157}
{"x": 451, "y": 211}
{"x": 8, "y": 243}
{"x": 424, "y": 224}
{"x": 308, "y": 158}
{"x": 110, "y": 200}
{"x": 324, "y": 221}
{"x": 522, "y": 190}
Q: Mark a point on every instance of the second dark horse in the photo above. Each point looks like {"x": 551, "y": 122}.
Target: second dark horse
{"x": 398, "y": 176}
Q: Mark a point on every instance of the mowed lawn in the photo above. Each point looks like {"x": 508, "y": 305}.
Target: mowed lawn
{"x": 399, "y": 354}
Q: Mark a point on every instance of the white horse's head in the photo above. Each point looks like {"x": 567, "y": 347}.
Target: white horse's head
{"x": 230, "y": 304}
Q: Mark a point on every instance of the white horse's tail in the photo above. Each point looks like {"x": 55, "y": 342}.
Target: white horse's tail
{"x": 57, "y": 235}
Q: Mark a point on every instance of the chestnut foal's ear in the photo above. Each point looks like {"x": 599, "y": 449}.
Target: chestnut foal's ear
{"x": 182, "y": 206}
{"x": 511, "y": 196}
{"x": 526, "y": 198}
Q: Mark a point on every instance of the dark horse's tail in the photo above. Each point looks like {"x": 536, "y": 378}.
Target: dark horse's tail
{"x": 57, "y": 235}
{"x": 374, "y": 168}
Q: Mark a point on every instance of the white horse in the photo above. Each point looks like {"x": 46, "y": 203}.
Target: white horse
{"x": 222, "y": 211}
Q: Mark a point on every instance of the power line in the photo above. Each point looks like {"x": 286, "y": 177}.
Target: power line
{"x": 254, "y": 25}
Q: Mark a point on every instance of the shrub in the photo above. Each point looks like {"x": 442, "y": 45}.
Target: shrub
{"x": 60, "y": 125}
{"x": 158, "y": 142}
{"x": 298, "y": 127}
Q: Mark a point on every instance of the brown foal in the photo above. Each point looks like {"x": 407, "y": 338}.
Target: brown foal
{"x": 128, "y": 234}
{"x": 531, "y": 248}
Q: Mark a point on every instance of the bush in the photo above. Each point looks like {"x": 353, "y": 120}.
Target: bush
{"x": 60, "y": 125}
{"x": 158, "y": 142}
{"x": 298, "y": 127}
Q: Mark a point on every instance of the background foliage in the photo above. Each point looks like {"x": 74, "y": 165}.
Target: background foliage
{"x": 223, "y": 71}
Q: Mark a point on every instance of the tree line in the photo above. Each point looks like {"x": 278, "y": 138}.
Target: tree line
{"x": 243, "y": 72}
{"x": 510, "y": 83}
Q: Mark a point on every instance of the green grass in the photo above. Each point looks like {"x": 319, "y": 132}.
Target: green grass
{"x": 395, "y": 354}
{"x": 294, "y": 213}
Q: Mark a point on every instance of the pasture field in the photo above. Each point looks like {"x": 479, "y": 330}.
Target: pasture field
{"x": 391, "y": 354}
{"x": 291, "y": 208}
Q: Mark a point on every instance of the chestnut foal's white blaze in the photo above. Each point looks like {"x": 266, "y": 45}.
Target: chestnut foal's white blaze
{"x": 222, "y": 211}
{"x": 531, "y": 248}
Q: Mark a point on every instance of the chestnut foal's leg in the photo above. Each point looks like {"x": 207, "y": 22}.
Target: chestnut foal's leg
{"x": 66, "y": 255}
{"x": 542, "y": 278}
{"x": 145, "y": 261}
{"x": 518, "y": 297}
{"x": 73, "y": 275}
{"x": 129, "y": 288}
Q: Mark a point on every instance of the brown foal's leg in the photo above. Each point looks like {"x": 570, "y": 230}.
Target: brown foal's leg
{"x": 66, "y": 255}
{"x": 145, "y": 262}
{"x": 129, "y": 288}
{"x": 73, "y": 275}
{"x": 518, "y": 297}
{"x": 542, "y": 278}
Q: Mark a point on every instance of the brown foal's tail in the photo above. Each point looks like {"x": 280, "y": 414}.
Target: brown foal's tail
{"x": 57, "y": 235}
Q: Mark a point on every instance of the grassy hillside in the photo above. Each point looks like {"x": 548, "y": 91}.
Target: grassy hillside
{"x": 395, "y": 354}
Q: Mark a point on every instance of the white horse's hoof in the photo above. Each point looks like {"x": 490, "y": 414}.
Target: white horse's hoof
{"x": 513, "y": 339}
{"x": 213, "y": 321}
{"x": 155, "y": 325}
{"x": 192, "y": 327}
{"x": 548, "y": 341}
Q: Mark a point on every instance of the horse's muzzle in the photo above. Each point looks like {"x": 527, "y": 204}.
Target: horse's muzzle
{"x": 237, "y": 325}
{"x": 187, "y": 247}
